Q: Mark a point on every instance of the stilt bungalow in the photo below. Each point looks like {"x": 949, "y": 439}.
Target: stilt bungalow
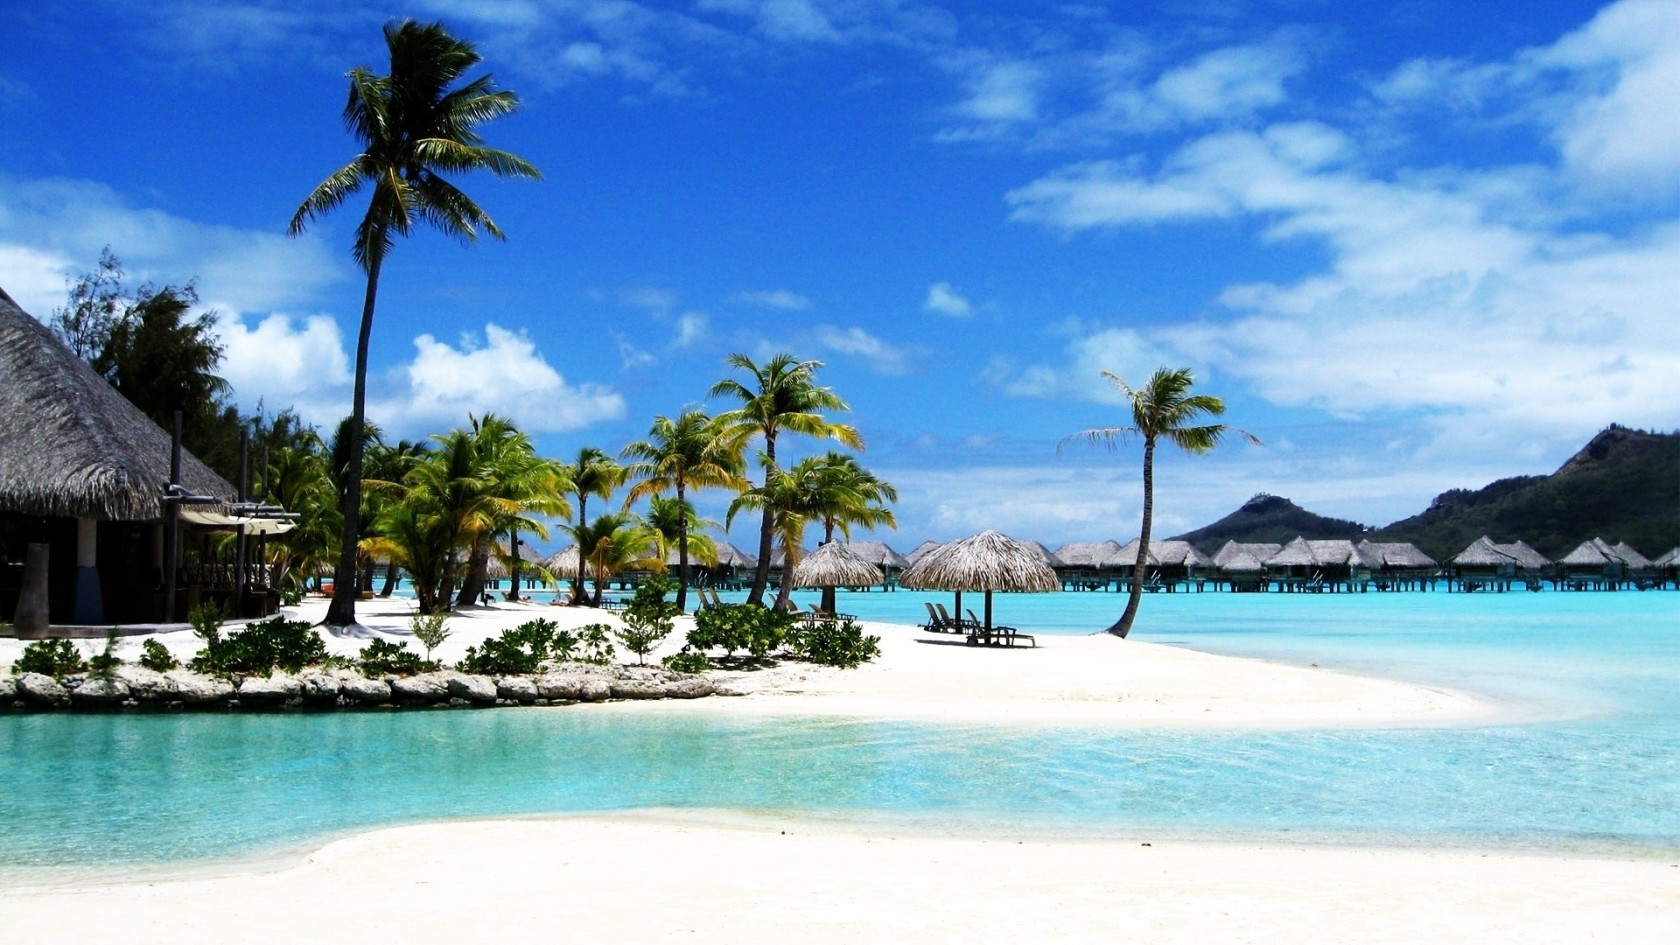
{"x": 1169, "y": 564}
{"x": 1596, "y": 565}
{"x": 1091, "y": 565}
{"x": 85, "y": 490}
{"x": 1488, "y": 565}
{"x": 1667, "y": 567}
{"x": 1399, "y": 566}
{"x": 881, "y": 555}
{"x": 1241, "y": 565}
{"x": 1324, "y": 565}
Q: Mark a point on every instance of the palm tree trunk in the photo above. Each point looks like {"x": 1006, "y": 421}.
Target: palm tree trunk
{"x": 342, "y": 611}
{"x": 767, "y": 529}
{"x": 682, "y": 552}
{"x": 577, "y": 585}
{"x": 478, "y": 562}
{"x": 828, "y": 592}
{"x": 391, "y": 576}
{"x": 1124, "y": 626}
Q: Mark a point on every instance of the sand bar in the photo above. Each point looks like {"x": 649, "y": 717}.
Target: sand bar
{"x": 649, "y": 879}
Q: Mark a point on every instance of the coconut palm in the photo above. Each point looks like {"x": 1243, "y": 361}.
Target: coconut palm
{"x": 837, "y": 491}
{"x": 413, "y": 128}
{"x": 593, "y": 473}
{"x": 388, "y": 465}
{"x": 691, "y": 452}
{"x": 676, "y": 526}
{"x": 783, "y": 396}
{"x": 786, "y": 501}
{"x": 1163, "y": 409}
{"x": 525, "y": 484}
{"x": 617, "y": 541}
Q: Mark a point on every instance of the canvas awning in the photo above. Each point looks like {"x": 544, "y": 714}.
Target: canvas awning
{"x": 253, "y": 524}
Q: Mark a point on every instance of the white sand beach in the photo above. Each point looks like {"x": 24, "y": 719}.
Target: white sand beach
{"x": 658, "y": 876}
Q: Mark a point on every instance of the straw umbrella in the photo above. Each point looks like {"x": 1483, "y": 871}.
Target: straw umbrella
{"x": 986, "y": 562}
{"x": 834, "y": 565}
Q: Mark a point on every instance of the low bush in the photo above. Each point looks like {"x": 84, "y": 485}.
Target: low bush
{"x": 757, "y": 630}
{"x": 594, "y": 645}
{"x": 157, "y": 658}
{"x": 649, "y": 618}
{"x": 384, "y": 658}
{"x": 104, "y": 663}
{"x": 429, "y": 629}
{"x": 56, "y": 658}
{"x": 687, "y": 661}
{"x": 521, "y": 650}
{"x": 261, "y": 648}
{"x": 835, "y": 643}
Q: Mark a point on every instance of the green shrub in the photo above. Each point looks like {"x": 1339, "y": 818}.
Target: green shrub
{"x": 595, "y": 647}
{"x": 521, "y": 650}
{"x": 206, "y": 620}
{"x": 384, "y": 658}
{"x": 105, "y": 662}
{"x": 687, "y": 661}
{"x": 261, "y": 648}
{"x": 835, "y": 643}
{"x": 291, "y": 595}
{"x": 157, "y": 658}
{"x": 56, "y": 658}
{"x": 429, "y": 629}
{"x": 649, "y": 618}
{"x": 757, "y": 630}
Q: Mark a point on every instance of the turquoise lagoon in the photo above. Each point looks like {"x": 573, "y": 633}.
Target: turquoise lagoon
{"x": 1586, "y": 759}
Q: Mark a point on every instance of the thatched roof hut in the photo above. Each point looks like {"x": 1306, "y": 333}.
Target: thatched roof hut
{"x": 730, "y": 556}
{"x": 1633, "y": 558}
{"x": 1092, "y": 554}
{"x": 986, "y": 562}
{"x": 563, "y": 564}
{"x": 1168, "y": 552}
{"x": 922, "y": 549}
{"x": 834, "y": 565}
{"x": 1669, "y": 559}
{"x": 878, "y": 553}
{"x": 1484, "y": 552}
{"x": 1242, "y": 551}
{"x": 1597, "y": 553}
{"x": 70, "y": 445}
{"x": 1395, "y": 554}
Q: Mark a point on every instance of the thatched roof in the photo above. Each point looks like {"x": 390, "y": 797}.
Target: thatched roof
{"x": 878, "y": 553}
{"x": 1320, "y": 553}
{"x": 984, "y": 562}
{"x": 1242, "y": 561}
{"x": 1395, "y": 554}
{"x": 563, "y": 564}
{"x": 730, "y": 556}
{"x": 1167, "y": 552}
{"x": 1092, "y": 554}
{"x": 834, "y": 565}
{"x": 70, "y": 445}
{"x": 1668, "y": 559}
{"x": 1525, "y": 556}
{"x": 1484, "y": 552}
{"x": 920, "y": 550}
{"x": 1633, "y": 558}
{"x": 1596, "y": 553}
{"x": 1044, "y": 554}
{"x": 1235, "y": 550}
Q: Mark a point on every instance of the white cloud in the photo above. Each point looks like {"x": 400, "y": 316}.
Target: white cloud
{"x": 1003, "y": 92}
{"x": 781, "y": 299}
{"x": 284, "y": 361}
{"x": 692, "y": 327}
{"x": 631, "y": 357}
{"x": 882, "y": 357}
{"x": 782, "y": 20}
{"x": 945, "y": 300}
{"x": 1120, "y": 351}
{"x": 505, "y": 375}
{"x": 1227, "y": 84}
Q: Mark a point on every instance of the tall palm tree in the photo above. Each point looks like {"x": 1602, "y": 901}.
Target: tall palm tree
{"x": 674, "y": 524}
{"x": 786, "y": 501}
{"x": 593, "y": 473}
{"x": 413, "y": 128}
{"x": 389, "y": 464}
{"x": 1162, "y": 409}
{"x": 614, "y": 542}
{"x": 525, "y": 483}
{"x": 783, "y": 396}
{"x": 693, "y": 451}
{"x": 838, "y": 492}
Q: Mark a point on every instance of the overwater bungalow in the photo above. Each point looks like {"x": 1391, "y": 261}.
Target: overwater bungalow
{"x": 1488, "y": 565}
{"x": 1169, "y": 564}
{"x": 1667, "y": 567}
{"x": 1597, "y": 565}
{"x": 1334, "y": 564}
{"x": 85, "y": 477}
{"x": 1241, "y": 565}
{"x": 1398, "y": 565}
{"x": 881, "y": 555}
{"x": 1091, "y": 565}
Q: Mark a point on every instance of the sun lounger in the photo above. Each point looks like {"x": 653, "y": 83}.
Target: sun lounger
{"x": 954, "y": 624}
{"x": 1000, "y": 636}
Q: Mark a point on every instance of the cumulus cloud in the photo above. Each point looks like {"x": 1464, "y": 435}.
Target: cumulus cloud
{"x": 284, "y": 360}
{"x": 945, "y": 300}
{"x": 503, "y": 373}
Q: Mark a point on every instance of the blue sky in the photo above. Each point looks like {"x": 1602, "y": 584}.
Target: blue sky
{"x": 1415, "y": 246}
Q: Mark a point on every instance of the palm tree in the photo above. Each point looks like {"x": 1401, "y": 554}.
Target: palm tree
{"x": 523, "y": 482}
{"x": 390, "y": 464}
{"x": 693, "y": 451}
{"x": 592, "y": 473}
{"x": 838, "y": 492}
{"x": 612, "y": 543}
{"x": 784, "y": 396}
{"x": 786, "y": 502}
{"x": 675, "y": 525}
{"x": 1164, "y": 408}
{"x": 413, "y": 127}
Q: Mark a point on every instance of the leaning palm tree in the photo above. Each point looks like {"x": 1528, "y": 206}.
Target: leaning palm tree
{"x": 837, "y": 491}
{"x": 1164, "y": 408}
{"x": 691, "y": 452}
{"x": 593, "y": 473}
{"x": 784, "y": 396}
{"x": 413, "y": 128}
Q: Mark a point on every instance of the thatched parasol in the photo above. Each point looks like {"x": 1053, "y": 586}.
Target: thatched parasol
{"x": 878, "y": 553}
{"x": 834, "y": 565}
{"x": 564, "y": 564}
{"x": 70, "y": 445}
{"x": 985, "y": 562}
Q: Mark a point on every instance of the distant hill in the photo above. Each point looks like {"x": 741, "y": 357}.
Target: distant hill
{"x": 1624, "y": 485}
{"x": 1270, "y": 518}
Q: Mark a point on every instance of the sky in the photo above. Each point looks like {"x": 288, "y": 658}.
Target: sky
{"x": 1415, "y": 246}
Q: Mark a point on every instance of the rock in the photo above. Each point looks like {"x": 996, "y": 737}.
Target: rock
{"x": 637, "y": 689}
{"x": 688, "y": 687}
{"x": 520, "y": 689}
{"x": 268, "y": 691}
{"x": 425, "y": 688}
{"x": 41, "y": 690}
{"x": 365, "y": 691}
{"x": 194, "y": 689}
{"x": 8, "y": 688}
{"x": 99, "y": 691}
{"x": 479, "y": 690}
{"x": 145, "y": 685}
{"x": 319, "y": 689}
{"x": 560, "y": 686}
{"x": 595, "y": 689}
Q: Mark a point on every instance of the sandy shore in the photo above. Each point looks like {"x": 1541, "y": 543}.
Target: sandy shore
{"x": 647, "y": 879}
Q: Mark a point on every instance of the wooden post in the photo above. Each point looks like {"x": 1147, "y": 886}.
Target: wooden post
{"x": 30, "y": 622}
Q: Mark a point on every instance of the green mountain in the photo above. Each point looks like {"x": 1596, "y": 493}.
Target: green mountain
{"x": 1624, "y": 485}
{"x": 1270, "y": 518}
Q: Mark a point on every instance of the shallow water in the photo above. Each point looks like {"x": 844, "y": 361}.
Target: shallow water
{"x": 1596, "y": 769}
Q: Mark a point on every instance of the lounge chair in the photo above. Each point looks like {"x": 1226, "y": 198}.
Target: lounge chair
{"x": 999, "y": 636}
{"x": 935, "y": 624}
{"x": 954, "y": 624}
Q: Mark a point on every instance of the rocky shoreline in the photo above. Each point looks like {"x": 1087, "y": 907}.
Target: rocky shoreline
{"x": 135, "y": 688}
